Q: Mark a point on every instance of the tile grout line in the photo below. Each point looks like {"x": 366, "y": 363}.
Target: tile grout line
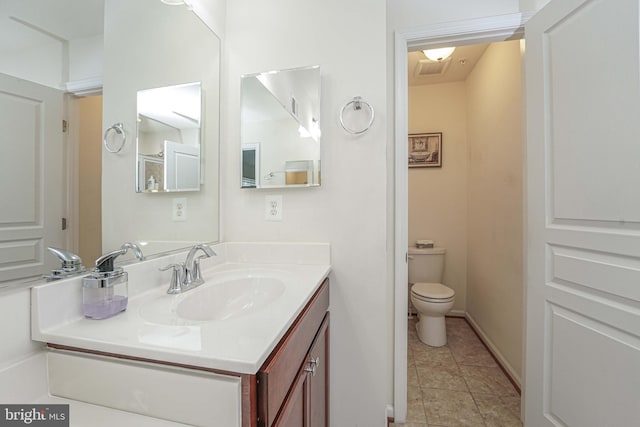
{"x": 475, "y": 403}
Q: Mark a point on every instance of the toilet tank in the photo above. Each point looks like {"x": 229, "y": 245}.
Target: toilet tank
{"x": 426, "y": 265}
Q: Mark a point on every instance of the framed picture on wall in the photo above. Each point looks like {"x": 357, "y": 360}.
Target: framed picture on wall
{"x": 425, "y": 150}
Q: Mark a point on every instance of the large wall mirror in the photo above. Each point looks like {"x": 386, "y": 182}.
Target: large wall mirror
{"x": 162, "y": 50}
{"x": 280, "y": 129}
{"x": 111, "y": 49}
{"x": 168, "y": 142}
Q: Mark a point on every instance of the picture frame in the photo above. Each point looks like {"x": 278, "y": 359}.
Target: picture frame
{"x": 425, "y": 150}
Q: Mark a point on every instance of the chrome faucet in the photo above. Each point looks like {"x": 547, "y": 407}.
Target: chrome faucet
{"x": 137, "y": 251}
{"x": 187, "y": 275}
{"x": 191, "y": 275}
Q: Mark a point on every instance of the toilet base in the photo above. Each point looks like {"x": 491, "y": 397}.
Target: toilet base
{"x": 432, "y": 330}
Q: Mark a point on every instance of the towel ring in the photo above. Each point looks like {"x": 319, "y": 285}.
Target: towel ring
{"x": 357, "y": 103}
{"x": 119, "y": 129}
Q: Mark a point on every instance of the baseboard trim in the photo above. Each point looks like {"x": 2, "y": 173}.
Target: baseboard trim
{"x": 495, "y": 353}
{"x": 390, "y": 418}
{"x": 457, "y": 313}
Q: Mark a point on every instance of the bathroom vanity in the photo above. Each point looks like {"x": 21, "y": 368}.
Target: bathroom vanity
{"x": 292, "y": 386}
{"x": 186, "y": 360}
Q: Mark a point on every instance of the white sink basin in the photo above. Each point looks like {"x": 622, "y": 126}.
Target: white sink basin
{"x": 223, "y": 296}
{"x": 228, "y": 299}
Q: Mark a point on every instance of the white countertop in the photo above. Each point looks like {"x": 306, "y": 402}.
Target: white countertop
{"x": 237, "y": 344}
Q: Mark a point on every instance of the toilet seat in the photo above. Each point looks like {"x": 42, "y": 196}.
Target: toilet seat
{"x": 432, "y": 292}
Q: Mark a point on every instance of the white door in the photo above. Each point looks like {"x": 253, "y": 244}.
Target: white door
{"x": 31, "y": 178}
{"x": 181, "y": 166}
{"x": 583, "y": 232}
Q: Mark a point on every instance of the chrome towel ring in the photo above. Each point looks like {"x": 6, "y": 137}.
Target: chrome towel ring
{"x": 119, "y": 129}
{"x": 357, "y": 102}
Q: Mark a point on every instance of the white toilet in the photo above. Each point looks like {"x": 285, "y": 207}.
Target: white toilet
{"x": 431, "y": 299}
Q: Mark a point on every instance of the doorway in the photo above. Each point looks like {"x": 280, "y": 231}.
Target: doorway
{"x": 488, "y": 30}
{"x": 85, "y": 177}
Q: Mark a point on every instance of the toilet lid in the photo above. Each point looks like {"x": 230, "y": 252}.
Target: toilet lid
{"x": 432, "y": 290}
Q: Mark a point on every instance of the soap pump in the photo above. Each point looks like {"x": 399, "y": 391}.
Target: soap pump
{"x": 105, "y": 291}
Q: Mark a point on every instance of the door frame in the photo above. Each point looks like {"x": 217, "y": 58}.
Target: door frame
{"x": 459, "y": 33}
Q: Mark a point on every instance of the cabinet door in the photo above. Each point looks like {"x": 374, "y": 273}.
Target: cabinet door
{"x": 306, "y": 404}
{"x": 294, "y": 411}
{"x": 277, "y": 376}
{"x": 319, "y": 378}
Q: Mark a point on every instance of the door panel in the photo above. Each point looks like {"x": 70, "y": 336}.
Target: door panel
{"x": 583, "y": 225}
{"x": 604, "y": 357}
{"x": 31, "y": 177}
{"x": 182, "y": 166}
{"x": 590, "y": 143}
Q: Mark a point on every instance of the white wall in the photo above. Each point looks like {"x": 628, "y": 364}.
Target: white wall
{"x": 438, "y": 196}
{"x": 349, "y": 209}
{"x": 86, "y": 58}
{"x": 212, "y": 13}
{"x": 44, "y": 62}
{"x": 495, "y": 134}
{"x": 148, "y": 45}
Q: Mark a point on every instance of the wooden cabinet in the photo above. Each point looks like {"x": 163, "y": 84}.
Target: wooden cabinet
{"x": 306, "y": 405}
{"x": 292, "y": 385}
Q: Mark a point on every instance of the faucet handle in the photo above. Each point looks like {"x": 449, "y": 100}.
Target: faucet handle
{"x": 175, "y": 286}
{"x": 197, "y": 272}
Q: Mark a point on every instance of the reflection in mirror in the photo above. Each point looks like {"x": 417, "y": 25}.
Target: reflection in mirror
{"x": 169, "y": 139}
{"x": 280, "y": 128}
{"x": 52, "y": 65}
{"x": 148, "y": 45}
{"x": 47, "y": 54}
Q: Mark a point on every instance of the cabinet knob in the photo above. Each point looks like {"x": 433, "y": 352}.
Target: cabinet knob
{"x": 312, "y": 364}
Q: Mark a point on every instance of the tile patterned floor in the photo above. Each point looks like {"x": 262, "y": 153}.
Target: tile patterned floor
{"x": 459, "y": 384}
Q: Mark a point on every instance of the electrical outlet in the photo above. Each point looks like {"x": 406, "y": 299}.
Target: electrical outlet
{"x": 179, "y": 209}
{"x": 273, "y": 207}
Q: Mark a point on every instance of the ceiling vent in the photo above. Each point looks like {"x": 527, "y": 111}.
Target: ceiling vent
{"x": 426, "y": 68}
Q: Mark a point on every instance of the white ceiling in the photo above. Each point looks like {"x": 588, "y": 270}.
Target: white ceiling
{"x": 462, "y": 61}
{"x": 58, "y": 19}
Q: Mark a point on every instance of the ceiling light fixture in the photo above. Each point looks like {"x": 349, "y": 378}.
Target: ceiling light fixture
{"x": 439, "y": 55}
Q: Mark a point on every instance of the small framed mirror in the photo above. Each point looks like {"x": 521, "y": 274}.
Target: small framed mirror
{"x": 169, "y": 139}
{"x": 280, "y": 128}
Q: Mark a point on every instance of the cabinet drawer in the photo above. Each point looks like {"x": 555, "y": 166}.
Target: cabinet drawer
{"x": 278, "y": 373}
